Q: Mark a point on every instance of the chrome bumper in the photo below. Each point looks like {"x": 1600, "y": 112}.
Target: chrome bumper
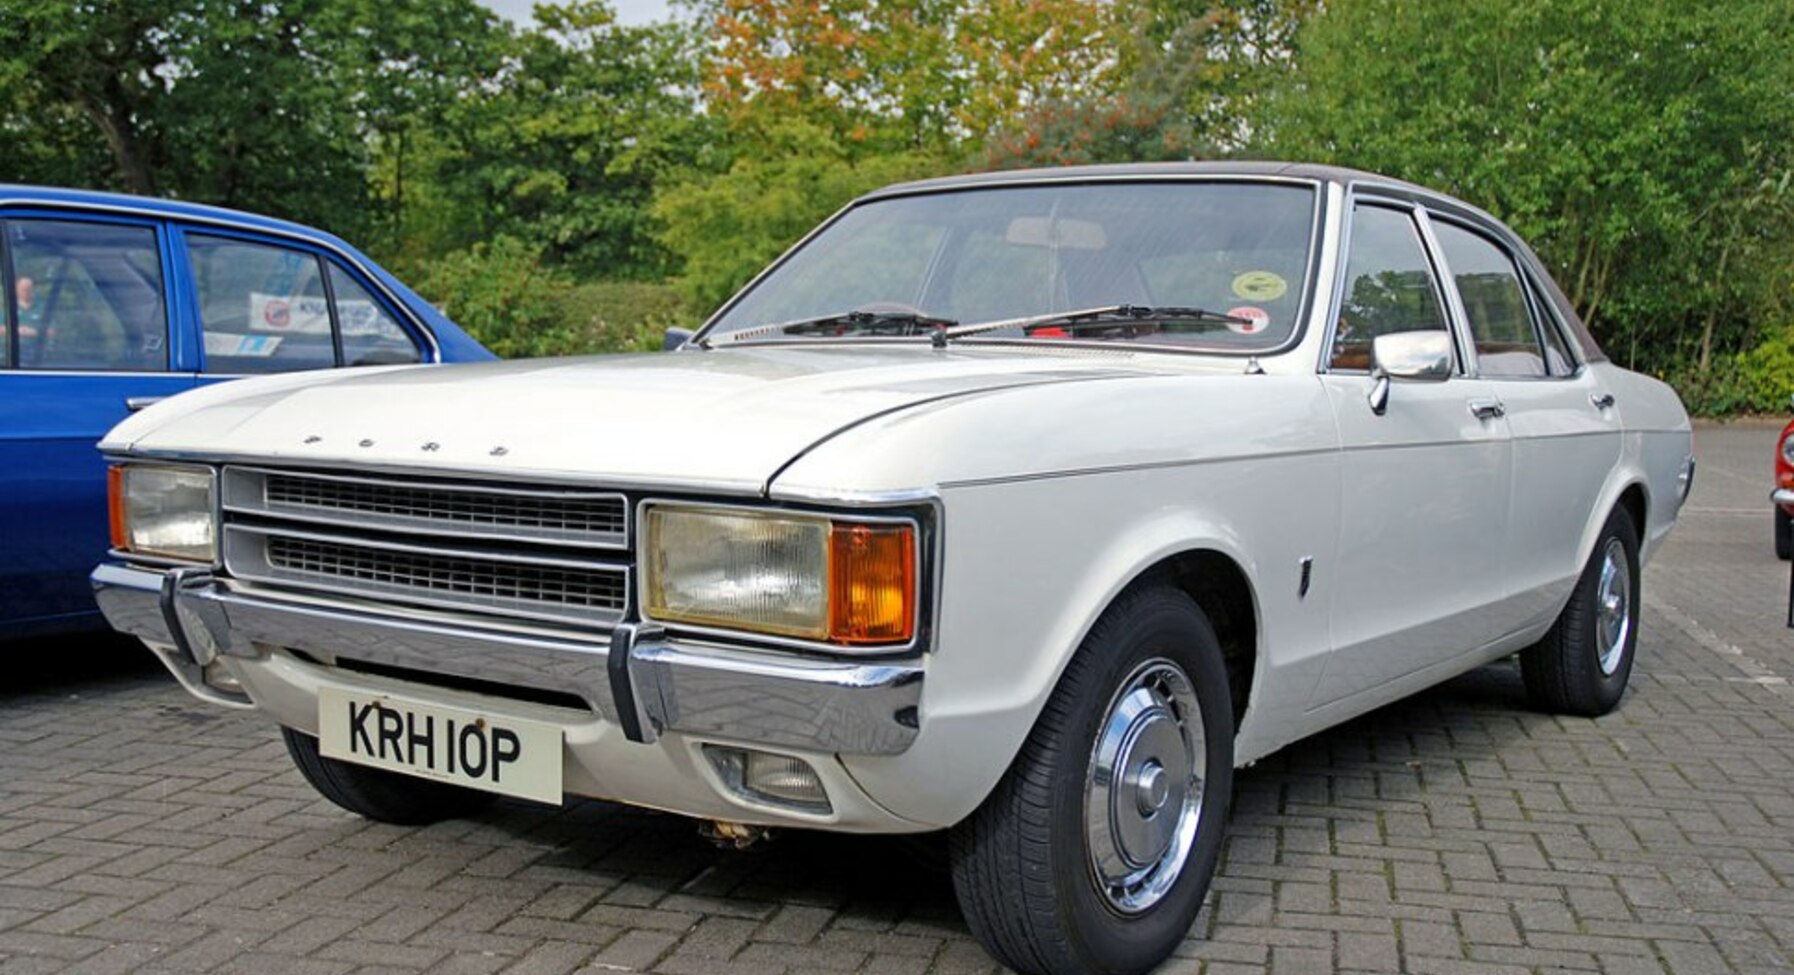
{"x": 636, "y": 678}
{"x": 1782, "y": 496}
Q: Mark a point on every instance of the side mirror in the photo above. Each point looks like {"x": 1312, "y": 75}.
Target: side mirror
{"x": 1408, "y": 356}
{"x": 675, "y": 338}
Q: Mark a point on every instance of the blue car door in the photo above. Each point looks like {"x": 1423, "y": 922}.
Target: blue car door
{"x": 89, "y": 302}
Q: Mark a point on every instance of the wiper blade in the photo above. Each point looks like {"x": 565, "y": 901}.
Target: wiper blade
{"x": 1129, "y": 319}
{"x": 856, "y": 322}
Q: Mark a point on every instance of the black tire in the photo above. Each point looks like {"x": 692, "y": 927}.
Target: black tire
{"x": 1023, "y": 863}
{"x": 1784, "y": 535}
{"x": 387, "y": 797}
{"x": 1564, "y": 672}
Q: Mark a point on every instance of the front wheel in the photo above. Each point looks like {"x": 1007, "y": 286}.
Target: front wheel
{"x": 1582, "y": 664}
{"x": 387, "y": 797}
{"x": 1095, "y": 850}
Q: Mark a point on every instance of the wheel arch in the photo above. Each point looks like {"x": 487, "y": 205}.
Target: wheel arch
{"x": 1220, "y": 587}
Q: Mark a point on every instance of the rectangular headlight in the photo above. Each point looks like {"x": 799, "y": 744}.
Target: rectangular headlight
{"x": 163, "y": 511}
{"x": 803, "y": 576}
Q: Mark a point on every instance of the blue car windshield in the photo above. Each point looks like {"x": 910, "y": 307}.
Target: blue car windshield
{"x": 906, "y": 264}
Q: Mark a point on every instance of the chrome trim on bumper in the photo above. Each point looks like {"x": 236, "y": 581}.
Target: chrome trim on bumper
{"x": 189, "y": 618}
{"x": 147, "y": 604}
{"x": 1782, "y": 496}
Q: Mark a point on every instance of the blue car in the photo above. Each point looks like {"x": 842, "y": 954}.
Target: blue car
{"x": 113, "y": 302}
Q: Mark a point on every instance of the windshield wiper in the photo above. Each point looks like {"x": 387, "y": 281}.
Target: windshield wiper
{"x": 1126, "y": 319}
{"x": 856, "y": 322}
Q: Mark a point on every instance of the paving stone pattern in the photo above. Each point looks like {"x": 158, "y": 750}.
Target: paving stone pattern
{"x": 1457, "y": 832}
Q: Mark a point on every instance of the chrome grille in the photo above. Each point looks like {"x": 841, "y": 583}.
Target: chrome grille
{"x": 524, "y": 552}
{"x": 593, "y": 519}
{"x": 483, "y": 580}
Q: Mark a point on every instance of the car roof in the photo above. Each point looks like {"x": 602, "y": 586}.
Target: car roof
{"x": 1244, "y": 168}
{"x": 15, "y": 194}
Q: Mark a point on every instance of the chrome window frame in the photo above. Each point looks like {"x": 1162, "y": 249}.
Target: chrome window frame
{"x": 1528, "y": 290}
{"x": 1367, "y": 196}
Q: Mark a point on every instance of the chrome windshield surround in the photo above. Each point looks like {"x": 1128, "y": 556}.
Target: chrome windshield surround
{"x": 555, "y": 516}
{"x": 924, "y": 581}
{"x": 1324, "y": 190}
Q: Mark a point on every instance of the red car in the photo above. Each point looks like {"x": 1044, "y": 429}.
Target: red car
{"x": 1784, "y": 493}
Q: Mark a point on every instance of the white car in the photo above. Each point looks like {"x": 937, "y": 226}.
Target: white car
{"x": 1025, "y": 506}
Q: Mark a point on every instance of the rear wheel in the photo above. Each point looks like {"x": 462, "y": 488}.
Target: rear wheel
{"x": 1095, "y": 850}
{"x": 378, "y": 794}
{"x": 1784, "y": 535}
{"x": 1582, "y": 664}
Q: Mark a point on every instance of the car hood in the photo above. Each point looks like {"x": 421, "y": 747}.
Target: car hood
{"x": 718, "y": 420}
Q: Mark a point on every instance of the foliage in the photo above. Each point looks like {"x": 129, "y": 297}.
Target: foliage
{"x": 563, "y": 146}
{"x": 269, "y": 107}
{"x": 727, "y": 227}
{"x": 907, "y": 75}
{"x": 1624, "y": 138}
{"x": 626, "y": 316}
{"x": 504, "y": 296}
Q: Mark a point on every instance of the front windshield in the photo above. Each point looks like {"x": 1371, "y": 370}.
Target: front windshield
{"x": 1240, "y": 249}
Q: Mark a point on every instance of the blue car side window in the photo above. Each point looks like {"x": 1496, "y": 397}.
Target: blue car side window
{"x": 84, "y": 296}
{"x": 370, "y": 336}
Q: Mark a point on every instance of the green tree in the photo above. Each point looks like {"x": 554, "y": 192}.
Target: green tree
{"x": 269, "y": 107}
{"x": 1625, "y": 138}
{"x": 727, "y": 227}
{"x": 563, "y": 146}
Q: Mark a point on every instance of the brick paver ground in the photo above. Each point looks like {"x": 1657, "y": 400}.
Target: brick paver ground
{"x": 1455, "y": 832}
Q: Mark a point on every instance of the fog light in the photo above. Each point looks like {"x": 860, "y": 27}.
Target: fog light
{"x": 780, "y": 780}
{"x": 220, "y": 679}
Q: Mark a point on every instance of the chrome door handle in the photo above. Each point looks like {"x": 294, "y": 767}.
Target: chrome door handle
{"x": 1601, "y": 401}
{"x": 1486, "y": 409}
{"x": 135, "y": 403}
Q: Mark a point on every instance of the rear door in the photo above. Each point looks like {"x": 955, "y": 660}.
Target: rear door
{"x": 88, "y": 306}
{"x": 265, "y": 305}
{"x": 1565, "y": 426}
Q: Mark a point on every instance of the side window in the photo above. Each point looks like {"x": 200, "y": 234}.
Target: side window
{"x": 85, "y": 296}
{"x": 370, "y": 336}
{"x": 262, "y": 307}
{"x": 1507, "y": 345}
{"x": 1558, "y": 357}
{"x": 1389, "y": 286}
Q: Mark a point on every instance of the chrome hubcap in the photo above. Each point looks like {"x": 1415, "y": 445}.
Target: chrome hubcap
{"x": 1613, "y": 600}
{"x": 1143, "y": 795}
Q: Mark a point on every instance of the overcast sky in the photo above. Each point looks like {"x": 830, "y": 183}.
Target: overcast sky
{"x": 628, "y": 11}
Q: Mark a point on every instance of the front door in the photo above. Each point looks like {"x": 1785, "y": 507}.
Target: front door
{"x": 1425, "y": 485}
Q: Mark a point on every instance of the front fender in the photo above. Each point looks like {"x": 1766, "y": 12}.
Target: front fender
{"x": 1017, "y": 601}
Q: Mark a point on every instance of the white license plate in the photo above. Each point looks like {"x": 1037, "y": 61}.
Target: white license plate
{"x": 512, "y": 756}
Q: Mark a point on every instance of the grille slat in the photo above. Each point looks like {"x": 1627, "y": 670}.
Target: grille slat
{"x": 478, "y": 579}
{"x": 512, "y": 551}
{"x": 603, "y": 515}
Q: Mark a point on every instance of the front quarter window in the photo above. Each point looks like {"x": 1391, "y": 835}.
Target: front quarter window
{"x": 1240, "y": 249}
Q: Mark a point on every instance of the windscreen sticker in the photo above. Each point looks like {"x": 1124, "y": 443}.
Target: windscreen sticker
{"x": 1255, "y": 320}
{"x": 226, "y": 344}
{"x": 303, "y": 315}
{"x": 1260, "y": 286}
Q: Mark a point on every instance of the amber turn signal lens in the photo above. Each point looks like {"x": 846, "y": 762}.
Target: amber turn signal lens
{"x": 115, "y": 504}
{"x": 872, "y": 582}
